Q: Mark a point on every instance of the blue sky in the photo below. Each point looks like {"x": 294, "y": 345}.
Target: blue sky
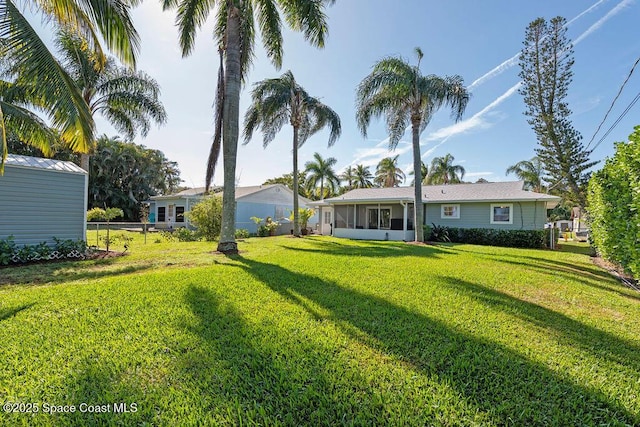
{"x": 477, "y": 40}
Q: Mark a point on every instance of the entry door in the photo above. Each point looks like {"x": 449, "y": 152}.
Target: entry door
{"x": 372, "y": 218}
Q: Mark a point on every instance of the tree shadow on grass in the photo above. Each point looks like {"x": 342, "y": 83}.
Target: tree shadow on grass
{"x": 242, "y": 378}
{"x": 497, "y": 380}
{"x": 6, "y": 313}
{"x": 66, "y": 272}
{"x": 371, "y": 249}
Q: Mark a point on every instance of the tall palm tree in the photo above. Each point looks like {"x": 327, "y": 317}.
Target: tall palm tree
{"x": 321, "y": 171}
{"x": 388, "y": 174}
{"x": 234, "y": 35}
{"x": 443, "y": 171}
{"x": 364, "y": 178}
{"x": 424, "y": 171}
{"x": 405, "y": 97}
{"x": 349, "y": 176}
{"x": 34, "y": 79}
{"x": 529, "y": 171}
{"x": 277, "y": 101}
{"x": 127, "y": 99}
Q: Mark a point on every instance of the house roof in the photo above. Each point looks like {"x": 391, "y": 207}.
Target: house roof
{"x": 41, "y": 163}
{"x": 478, "y": 192}
{"x": 240, "y": 192}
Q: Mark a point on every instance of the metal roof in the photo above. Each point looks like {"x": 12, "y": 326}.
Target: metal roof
{"x": 240, "y": 192}
{"x": 479, "y": 192}
{"x": 41, "y": 163}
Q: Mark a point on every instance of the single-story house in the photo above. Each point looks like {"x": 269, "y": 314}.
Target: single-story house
{"x": 262, "y": 201}
{"x": 387, "y": 213}
{"x": 41, "y": 199}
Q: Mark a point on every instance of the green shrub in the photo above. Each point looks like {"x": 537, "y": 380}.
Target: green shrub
{"x": 185, "y": 235}
{"x": 10, "y": 253}
{"x": 490, "y": 237}
{"x": 242, "y": 233}
{"x": 614, "y": 206}
{"x": 426, "y": 232}
{"x": 206, "y": 216}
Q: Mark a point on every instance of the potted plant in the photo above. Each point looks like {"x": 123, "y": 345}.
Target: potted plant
{"x": 304, "y": 214}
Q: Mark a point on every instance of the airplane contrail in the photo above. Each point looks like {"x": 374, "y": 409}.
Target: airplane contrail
{"x": 504, "y": 66}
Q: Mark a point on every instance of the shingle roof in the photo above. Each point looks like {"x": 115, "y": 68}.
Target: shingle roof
{"x": 40, "y": 163}
{"x": 479, "y": 192}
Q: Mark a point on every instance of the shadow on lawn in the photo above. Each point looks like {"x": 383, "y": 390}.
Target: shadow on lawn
{"x": 6, "y": 313}
{"x": 590, "y": 276}
{"x": 494, "y": 378}
{"x": 372, "y": 249}
{"x": 65, "y": 272}
{"x": 241, "y": 378}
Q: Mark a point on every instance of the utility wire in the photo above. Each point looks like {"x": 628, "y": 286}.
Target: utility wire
{"x": 624, "y": 113}
{"x": 611, "y": 107}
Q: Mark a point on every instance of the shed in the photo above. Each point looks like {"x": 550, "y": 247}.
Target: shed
{"x": 41, "y": 199}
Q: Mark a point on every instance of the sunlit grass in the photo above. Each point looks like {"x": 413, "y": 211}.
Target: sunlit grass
{"x": 322, "y": 331}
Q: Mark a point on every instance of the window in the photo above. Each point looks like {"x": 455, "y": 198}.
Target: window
{"x": 327, "y": 217}
{"x": 170, "y": 213}
{"x": 450, "y": 211}
{"x": 379, "y": 218}
{"x": 179, "y": 213}
{"x": 162, "y": 212}
{"x": 502, "y": 214}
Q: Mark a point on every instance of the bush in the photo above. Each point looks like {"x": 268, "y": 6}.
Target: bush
{"x": 206, "y": 216}
{"x": 614, "y": 206}
{"x": 185, "y": 235}
{"x": 10, "y": 253}
{"x": 242, "y": 233}
{"x": 490, "y": 237}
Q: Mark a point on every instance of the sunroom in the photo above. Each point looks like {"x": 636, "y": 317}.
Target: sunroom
{"x": 391, "y": 220}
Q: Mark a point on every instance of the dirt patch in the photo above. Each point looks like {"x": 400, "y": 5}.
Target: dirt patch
{"x": 616, "y": 271}
{"x": 100, "y": 254}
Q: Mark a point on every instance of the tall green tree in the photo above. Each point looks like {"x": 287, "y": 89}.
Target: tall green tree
{"x": 320, "y": 171}
{"x": 545, "y": 69}
{"x": 349, "y": 177}
{"x": 234, "y": 35}
{"x": 529, "y": 171}
{"x": 397, "y": 90}
{"x": 127, "y": 99}
{"x": 287, "y": 179}
{"x": 275, "y": 102}
{"x": 443, "y": 171}
{"x": 424, "y": 172}
{"x": 34, "y": 80}
{"x": 388, "y": 173}
{"x": 363, "y": 177}
{"x": 124, "y": 175}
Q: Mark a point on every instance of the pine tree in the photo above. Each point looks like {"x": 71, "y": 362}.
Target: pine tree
{"x": 545, "y": 70}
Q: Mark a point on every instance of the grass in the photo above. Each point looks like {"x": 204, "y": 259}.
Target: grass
{"x": 322, "y": 331}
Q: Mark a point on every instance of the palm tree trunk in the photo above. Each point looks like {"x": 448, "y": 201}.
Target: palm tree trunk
{"x": 84, "y": 161}
{"x": 231, "y": 113}
{"x": 418, "y": 210}
{"x": 296, "y": 213}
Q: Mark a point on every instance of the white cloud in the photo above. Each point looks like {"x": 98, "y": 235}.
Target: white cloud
{"x": 477, "y": 121}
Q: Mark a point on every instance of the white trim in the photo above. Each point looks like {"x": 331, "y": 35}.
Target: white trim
{"x": 450, "y": 205}
{"x": 501, "y": 205}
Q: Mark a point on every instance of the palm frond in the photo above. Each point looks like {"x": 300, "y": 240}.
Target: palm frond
{"x": 29, "y": 127}
{"x": 35, "y": 65}
{"x": 270, "y": 26}
{"x": 214, "y": 152}
{"x": 308, "y": 17}
{"x": 191, "y": 15}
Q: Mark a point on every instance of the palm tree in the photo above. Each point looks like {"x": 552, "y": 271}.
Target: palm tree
{"x": 281, "y": 100}
{"x": 321, "y": 171}
{"x": 443, "y": 171}
{"x": 388, "y": 174}
{"x": 529, "y": 171}
{"x": 235, "y": 37}
{"x": 424, "y": 171}
{"x": 127, "y": 99}
{"x": 349, "y": 176}
{"x": 405, "y": 97}
{"x": 364, "y": 178}
{"x": 36, "y": 80}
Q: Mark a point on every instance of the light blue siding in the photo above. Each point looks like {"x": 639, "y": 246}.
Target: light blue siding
{"x": 37, "y": 205}
{"x": 526, "y": 216}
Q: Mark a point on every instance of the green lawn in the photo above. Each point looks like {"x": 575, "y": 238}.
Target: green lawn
{"x": 321, "y": 331}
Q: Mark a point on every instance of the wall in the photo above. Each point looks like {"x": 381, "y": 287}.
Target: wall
{"x": 39, "y": 204}
{"x": 526, "y": 216}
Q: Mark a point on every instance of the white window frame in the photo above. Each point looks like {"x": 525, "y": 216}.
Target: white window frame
{"x": 379, "y": 209}
{"x": 501, "y": 205}
{"x": 457, "y": 211}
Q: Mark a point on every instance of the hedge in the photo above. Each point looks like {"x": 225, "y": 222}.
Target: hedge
{"x": 493, "y": 237}
{"x": 614, "y": 206}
